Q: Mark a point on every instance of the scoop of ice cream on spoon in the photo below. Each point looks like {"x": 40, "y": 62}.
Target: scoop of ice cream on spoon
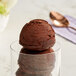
{"x": 59, "y": 20}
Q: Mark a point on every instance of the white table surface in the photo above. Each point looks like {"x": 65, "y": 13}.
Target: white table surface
{"x": 26, "y": 10}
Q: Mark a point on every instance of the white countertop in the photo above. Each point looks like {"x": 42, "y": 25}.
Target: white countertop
{"x": 24, "y": 11}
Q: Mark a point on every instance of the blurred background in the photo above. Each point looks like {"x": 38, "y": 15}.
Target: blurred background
{"x": 23, "y": 12}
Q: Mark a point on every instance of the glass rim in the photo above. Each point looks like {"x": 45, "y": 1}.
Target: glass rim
{"x": 59, "y": 44}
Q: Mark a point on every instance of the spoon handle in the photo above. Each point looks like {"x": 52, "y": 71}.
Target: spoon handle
{"x": 72, "y": 28}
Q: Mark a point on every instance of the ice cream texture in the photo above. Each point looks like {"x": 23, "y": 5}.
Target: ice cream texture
{"x": 37, "y": 35}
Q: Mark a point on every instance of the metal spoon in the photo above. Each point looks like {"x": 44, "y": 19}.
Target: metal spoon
{"x": 59, "y": 20}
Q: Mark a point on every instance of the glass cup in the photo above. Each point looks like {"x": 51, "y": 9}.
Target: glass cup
{"x": 35, "y": 64}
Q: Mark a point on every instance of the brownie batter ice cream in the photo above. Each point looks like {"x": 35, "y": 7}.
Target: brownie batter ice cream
{"x": 36, "y": 57}
{"x": 37, "y": 35}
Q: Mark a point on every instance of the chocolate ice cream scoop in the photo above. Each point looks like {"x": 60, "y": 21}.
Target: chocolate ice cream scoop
{"x": 37, "y": 35}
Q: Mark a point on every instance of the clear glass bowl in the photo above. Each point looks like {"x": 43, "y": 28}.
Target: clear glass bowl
{"x": 35, "y": 65}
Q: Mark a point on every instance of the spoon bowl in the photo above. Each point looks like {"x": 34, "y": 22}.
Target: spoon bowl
{"x": 59, "y": 20}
